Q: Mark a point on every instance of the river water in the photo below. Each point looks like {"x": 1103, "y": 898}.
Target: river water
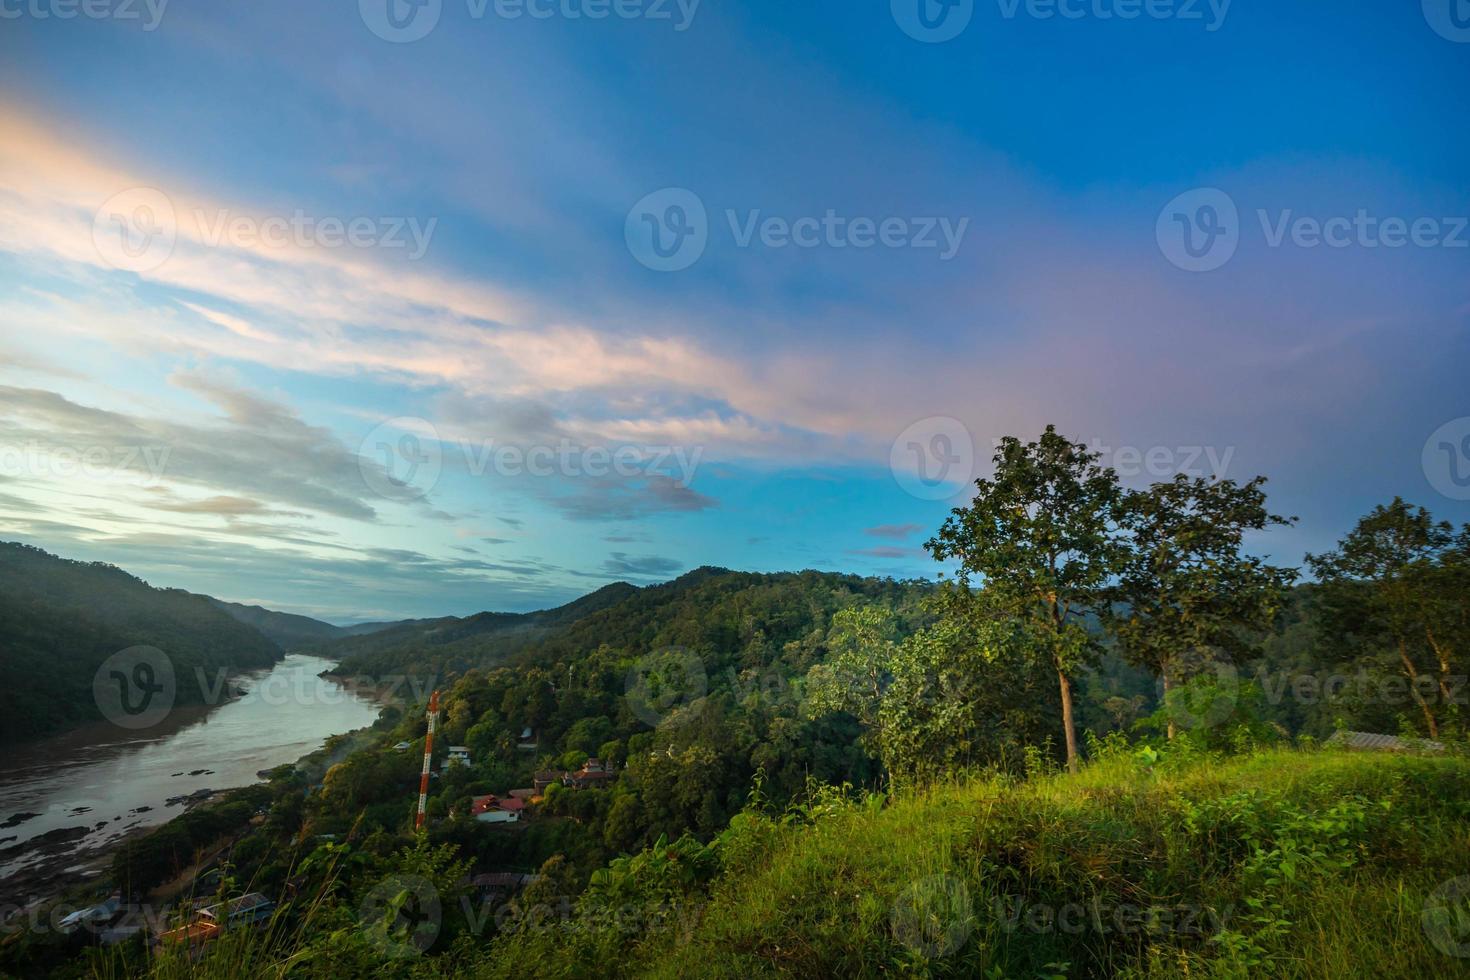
{"x": 111, "y": 781}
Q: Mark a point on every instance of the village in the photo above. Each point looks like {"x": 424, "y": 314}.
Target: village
{"x": 203, "y": 919}
{"x": 518, "y": 804}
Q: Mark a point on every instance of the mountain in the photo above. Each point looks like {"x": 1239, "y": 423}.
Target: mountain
{"x": 61, "y": 619}
{"x": 288, "y": 630}
{"x": 459, "y": 643}
{"x": 292, "y": 631}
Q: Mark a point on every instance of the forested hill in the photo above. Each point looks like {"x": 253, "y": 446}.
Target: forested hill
{"x": 293, "y": 631}
{"x": 288, "y": 630}
{"x": 60, "y": 619}
{"x": 673, "y": 614}
{"x": 456, "y": 644}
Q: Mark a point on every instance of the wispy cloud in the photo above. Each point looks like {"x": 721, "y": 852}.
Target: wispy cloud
{"x": 893, "y": 530}
{"x": 643, "y": 566}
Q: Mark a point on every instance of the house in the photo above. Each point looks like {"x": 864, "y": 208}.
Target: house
{"x": 592, "y": 773}
{"x": 244, "y": 910}
{"x": 525, "y": 795}
{"x": 401, "y": 746}
{"x": 492, "y": 809}
{"x": 545, "y": 779}
{"x": 1370, "y": 742}
{"x": 92, "y": 917}
{"x": 457, "y": 753}
{"x": 527, "y": 740}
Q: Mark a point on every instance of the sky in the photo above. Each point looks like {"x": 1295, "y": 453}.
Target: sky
{"x": 385, "y": 309}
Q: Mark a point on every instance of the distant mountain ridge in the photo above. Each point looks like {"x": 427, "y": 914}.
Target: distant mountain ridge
{"x": 461, "y": 642}
{"x": 293, "y": 631}
{"x": 667, "y": 614}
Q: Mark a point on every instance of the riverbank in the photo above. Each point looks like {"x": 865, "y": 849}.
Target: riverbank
{"x": 81, "y": 796}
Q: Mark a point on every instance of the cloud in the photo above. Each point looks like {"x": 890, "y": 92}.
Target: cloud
{"x": 257, "y": 450}
{"x": 646, "y": 566}
{"x": 619, "y": 499}
{"x": 225, "y": 506}
{"x": 888, "y": 552}
{"x": 892, "y": 530}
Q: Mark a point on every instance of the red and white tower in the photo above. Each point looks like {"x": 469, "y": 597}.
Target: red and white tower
{"x": 418, "y": 821}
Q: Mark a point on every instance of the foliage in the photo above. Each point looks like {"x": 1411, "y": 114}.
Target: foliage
{"x": 1187, "y": 593}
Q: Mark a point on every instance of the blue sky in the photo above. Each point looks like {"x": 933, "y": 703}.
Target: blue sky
{"x": 244, "y": 402}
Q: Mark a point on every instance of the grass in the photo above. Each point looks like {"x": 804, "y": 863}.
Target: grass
{"x": 1283, "y": 863}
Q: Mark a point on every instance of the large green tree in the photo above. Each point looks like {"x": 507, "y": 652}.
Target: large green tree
{"x": 1042, "y": 537}
{"x": 1187, "y": 591}
{"x": 1394, "y": 588}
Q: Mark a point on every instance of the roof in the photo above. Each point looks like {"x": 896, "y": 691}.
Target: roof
{"x": 1371, "y": 742}
{"x": 252, "y": 902}
{"x": 593, "y": 774}
{"x": 522, "y": 794}
{"x": 482, "y": 804}
{"x": 460, "y": 749}
{"x": 513, "y": 805}
{"x": 201, "y": 931}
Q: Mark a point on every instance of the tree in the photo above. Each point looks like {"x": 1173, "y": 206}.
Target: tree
{"x": 1186, "y": 588}
{"x": 962, "y": 696}
{"x": 1042, "y": 536}
{"x": 1395, "y": 581}
{"x": 859, "y": 666}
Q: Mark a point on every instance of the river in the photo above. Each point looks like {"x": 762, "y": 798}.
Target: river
{"x": 112, "y": 782}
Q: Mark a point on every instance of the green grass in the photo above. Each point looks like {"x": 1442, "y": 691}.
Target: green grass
{"x": 1283, "y": 864}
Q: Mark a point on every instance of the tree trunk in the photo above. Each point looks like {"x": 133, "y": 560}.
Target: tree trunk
{"x": 1445, "y": 694}
{"x": 1168, "y": 679}
{"x": 1414, "y": 690}
{"x": 1068, "y": 726}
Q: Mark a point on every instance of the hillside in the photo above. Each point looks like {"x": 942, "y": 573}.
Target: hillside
{"x": 287, "y": 630}
{"x": 617, "y": 614}
{"x": 60, "y": 619}
{"x": 1281, "y": 863}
